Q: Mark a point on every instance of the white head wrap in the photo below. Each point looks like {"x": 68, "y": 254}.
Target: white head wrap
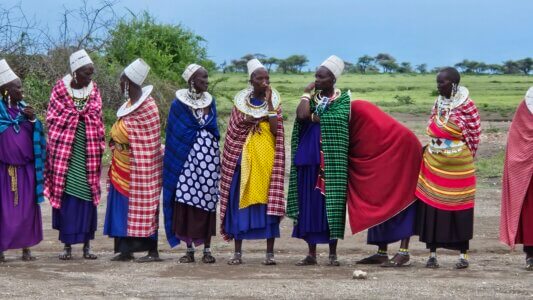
{"x": 335, "y": 65}
{"x": 253, "y": 65}
{"x": 529, "y": 99}
{"x": 189, "y": 71}
{"x": 79, "y": 59}
{"x": 137, "y": 71}
{"x": 6, "y": 74}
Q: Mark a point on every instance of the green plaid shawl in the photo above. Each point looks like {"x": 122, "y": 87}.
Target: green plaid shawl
{"x": 334, "y": 131}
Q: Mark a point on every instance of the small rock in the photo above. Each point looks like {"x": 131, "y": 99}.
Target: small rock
{"x": 358, "y": 274}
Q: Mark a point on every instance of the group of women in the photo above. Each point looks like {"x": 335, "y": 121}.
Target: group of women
{"x": 344, "y": 153}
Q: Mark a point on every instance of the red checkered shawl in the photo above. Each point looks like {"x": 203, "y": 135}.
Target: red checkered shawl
{"x": 466, "y": 117}
{"x": 517, "y": 173}
{"x": 62, "y": 120}
{"x": 238, "y": 130}
{"x": 146, "y": 167}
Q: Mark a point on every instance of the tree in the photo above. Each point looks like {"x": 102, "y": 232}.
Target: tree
{"x": 364, "y": 62}
{"x": 525, "y": 65}
{"x": 270, "y": 62}
{"x": 510, "y": 67}
{"x": 494, "y": 68}
{"x": 387, "y": 62}
{"x": 422, "y": 68}
{"x": 168, "y": 49}
{"x": 405, "y": 67}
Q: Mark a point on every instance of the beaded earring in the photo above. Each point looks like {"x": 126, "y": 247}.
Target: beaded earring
{"x": 75, "y": 78}
{"x": 454, "y": 89}
{"x": 127, "y": 90}
{"x": 192, "y": 88}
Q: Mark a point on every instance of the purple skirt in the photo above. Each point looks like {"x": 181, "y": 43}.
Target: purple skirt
{"x": 395, "y": 229}
{"x": 75, "y": 220}
{"x": 251, "y": 223}
{"x": 312, "y": 225}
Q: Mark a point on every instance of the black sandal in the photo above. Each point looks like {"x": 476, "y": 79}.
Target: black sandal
{"x": 87, "y": 253}
{"x": 2, "y": 257}
{"x": 187, "y": 258}
{"x": 208, "y": 258}
{"x": 529, "y": 264}
{"x": 152, "y": 256}
{"x": 333, "y": 262}
{"x": 123, "y": 257}
{"x": 67, "y": 253}
{"x": 236, "y": 259}
{"x": 375, "y": 259}
{"x": 307, "y": 261}
{"x": 432, "y": 263}
{"x": 398, "y": 260}
{"x": 26, "y": 255}
{"x": 269, "y": 260}
{"x": 462, "y": 264}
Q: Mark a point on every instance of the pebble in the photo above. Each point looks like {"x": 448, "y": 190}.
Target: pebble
{"x": 358, "y": 274}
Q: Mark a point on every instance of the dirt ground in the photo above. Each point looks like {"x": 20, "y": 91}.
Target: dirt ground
{"x": 495, "y": 271}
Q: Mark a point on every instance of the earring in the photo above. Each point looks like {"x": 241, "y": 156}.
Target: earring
{"x": 192, "y": 88}
{"x": 454, "y": 89}
{"x": 127, "y": 90}
{"x": 75, "y": 78}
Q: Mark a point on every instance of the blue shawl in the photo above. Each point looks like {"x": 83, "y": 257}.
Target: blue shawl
{"x": 181, "y": 133}
{"x": 39, "y": 143}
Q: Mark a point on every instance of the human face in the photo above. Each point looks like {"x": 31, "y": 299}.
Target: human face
{"x": 15, "y": 90}
{"x": 260, "y": 80}
{"x": 84, "y": 75}
{"x": 324, "y": 79}
{"x": 444, "y": 84}
{"x": 201, "y": 80}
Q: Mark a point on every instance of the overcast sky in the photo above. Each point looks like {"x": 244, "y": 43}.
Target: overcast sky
{"x": 419, "y": 31}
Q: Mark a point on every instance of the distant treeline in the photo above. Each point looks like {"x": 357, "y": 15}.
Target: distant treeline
{"x": 381, "y": 63}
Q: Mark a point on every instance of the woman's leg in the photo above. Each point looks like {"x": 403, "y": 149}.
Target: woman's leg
{"x": 208, "y": 258}
{"x": 269, "y": 257}
{"x": 333, "y": 254}
{"x": 310, "y": 259}
{"x": 236, "y": 259}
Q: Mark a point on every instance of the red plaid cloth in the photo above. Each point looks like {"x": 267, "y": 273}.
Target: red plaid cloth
{"x": 62, "y": 120}
{"x": 146, "y": 167}
{"x": 466, "y": 116}
{"x": 238, "y": 130}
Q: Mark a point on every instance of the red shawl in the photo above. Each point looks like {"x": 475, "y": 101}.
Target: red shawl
{"x": 238, "y": 130}
{"x": 383, "y": 164}
{"x": 517, "y": 173}
{"x": 62, "y": 120}
{"x": 146, "y": 167}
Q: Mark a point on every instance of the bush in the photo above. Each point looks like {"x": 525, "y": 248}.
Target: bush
{"x": 404, "y": 100}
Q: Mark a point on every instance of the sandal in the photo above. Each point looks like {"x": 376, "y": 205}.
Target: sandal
{"x": 432, "y": 263}
{"x": 307, "y": 261}
{"x": 87, "y": 254}
{"x": 529, "y": 264}
{"x": 187, "y": 258}
{"x": 462, "y": 264}
{"x": 123, "y": 257}
{"x": 67, "y": 253}
{"x": 375, "y": 259}
{"x": 236, "y": 259}
{"x": 398, "y": 260}
{"x": 333, "y": 262}
{"x": 152, "y": 256}
{"x": 2, "y": 257}
{"x": 269, "y": 260}
{"x": 26, "y": 255}
{"x": 208, "y": 258}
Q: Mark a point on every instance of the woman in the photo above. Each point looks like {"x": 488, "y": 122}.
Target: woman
{"x": 383, "y": 170}
{"x": 447, "y": 182}
{"x": 75, "y": 147}
{"x": 516, "y": 222}
{"x": 253, "y": 166}
{"x": 135, "y": 172}
{"x": 317, "y": 187}
{"x": 191, "y": 167}
{"x": 21, "y": 168}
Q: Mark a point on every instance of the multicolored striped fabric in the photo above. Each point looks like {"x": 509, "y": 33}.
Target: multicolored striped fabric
{"x": 76, "y": 181}
{"x": 447, "y": 179}
{"x": 335, "y": 140}
{"x": 238, "y": 129}
{"x": 517, "y": 173}
{"x": 119, "y": 171}
{"x": 62, "y": 119}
